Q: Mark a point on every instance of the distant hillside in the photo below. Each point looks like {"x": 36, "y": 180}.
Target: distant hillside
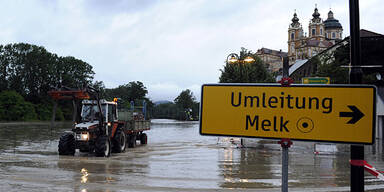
{"x": 162, "y": 102}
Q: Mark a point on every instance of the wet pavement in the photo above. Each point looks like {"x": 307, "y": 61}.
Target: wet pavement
{"x": 176, "y": 158}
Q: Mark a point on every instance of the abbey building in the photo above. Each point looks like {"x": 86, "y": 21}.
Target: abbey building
{"x": 321, "y": 35}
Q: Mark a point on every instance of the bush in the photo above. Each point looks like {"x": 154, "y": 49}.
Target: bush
{"x": 44, "y": 112}
{"x": 13, "y": 107}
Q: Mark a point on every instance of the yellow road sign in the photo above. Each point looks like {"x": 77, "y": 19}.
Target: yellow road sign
{"x": 331, "y": 113}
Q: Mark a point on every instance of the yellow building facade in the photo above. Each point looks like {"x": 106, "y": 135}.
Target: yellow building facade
{"x": 321, "y": 35}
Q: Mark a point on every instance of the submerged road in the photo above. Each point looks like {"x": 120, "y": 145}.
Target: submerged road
{"x": 176, "y": 158}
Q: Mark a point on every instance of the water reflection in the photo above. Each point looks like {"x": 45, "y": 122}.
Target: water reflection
{"x": 176, "y": 158}
{"x": 249, "y": 167}
{"x": 84, "y": 177}
{"x": 260, "y": 166}
{"x": 14, "y": 135}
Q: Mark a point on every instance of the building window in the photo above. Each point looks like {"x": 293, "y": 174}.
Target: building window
{"x": 292, "y": 36}
{"x": 333, "y": 35}
{"x": 313, "y": 32}
{"x": 321, "y": 31}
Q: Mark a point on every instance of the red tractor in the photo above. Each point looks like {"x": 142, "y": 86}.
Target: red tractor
{"x": 100, "y": 127}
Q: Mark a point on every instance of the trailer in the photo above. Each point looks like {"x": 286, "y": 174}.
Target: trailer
{"x": 101, "y": 127}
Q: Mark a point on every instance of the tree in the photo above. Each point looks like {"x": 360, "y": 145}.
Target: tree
{"x": 13, "y": 107}
{"x": 243, "y": 72}
{"x": 166, "y": 111}
{"x": 99, "y": 85}
{"x": 133, "y": 91}
{"x": 73, "y": 72}
{"x": 187, "y": 105}
{"x": 185, "y": 100}
{"x": 331, "y": 66}
{"x": 32, "y": 71}
{"x": 137, "y": 90}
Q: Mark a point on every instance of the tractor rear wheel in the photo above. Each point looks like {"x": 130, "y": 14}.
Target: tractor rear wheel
{"x": 103, "y": 146}
{"x": 119, "y": 142}
{"x": 67, "y": 144}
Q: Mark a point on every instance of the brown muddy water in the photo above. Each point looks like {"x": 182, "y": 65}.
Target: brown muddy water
{"x": 176, "y": 158}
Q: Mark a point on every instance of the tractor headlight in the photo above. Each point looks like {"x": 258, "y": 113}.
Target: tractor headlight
{"x": 82, "y": 136}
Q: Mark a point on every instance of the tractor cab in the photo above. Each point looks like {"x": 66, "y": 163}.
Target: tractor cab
{"x": 90, "y": 111}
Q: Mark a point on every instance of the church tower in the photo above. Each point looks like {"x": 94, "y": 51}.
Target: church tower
{"x": 316, "y": 27}
{"x": 333, "y": 29}
{"x": 295, "y": 33}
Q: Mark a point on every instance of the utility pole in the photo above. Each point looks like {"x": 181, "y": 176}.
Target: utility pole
{"x": 355, "y": 77}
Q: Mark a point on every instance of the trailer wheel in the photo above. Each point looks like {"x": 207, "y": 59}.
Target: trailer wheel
{"x": 103, "y": 146}
{"x": 143, "y": 139}
{"x": 119, "y": 142}
{"x": 67, "y": 144}
{"x": 132, "y": 141}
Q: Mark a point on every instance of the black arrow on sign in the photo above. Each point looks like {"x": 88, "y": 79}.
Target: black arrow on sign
{"x": 356, "y": 114}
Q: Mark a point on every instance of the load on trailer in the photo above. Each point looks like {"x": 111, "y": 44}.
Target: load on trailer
{"x": 101, "y": 127}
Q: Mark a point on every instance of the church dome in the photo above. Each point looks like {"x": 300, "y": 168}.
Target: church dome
{"x": 331, "y": 22}
{"x": 316, "y": 13}
{"x": 295, "y": 21}
{"x": 316, "y": 16}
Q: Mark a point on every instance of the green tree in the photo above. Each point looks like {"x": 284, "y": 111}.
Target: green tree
{"x": 32, "y": 71}
{"x": 73, "y": 72}
{"x": 99, "y": 85}
{"x": 331, "y": 65}
{"x": 133, "y": 91}
{"x": 334, "y": 64}
{"x": 187, "y": 104}
{"x": 44, "y": 112}
{"x": 166, "y": 111}
{"x": 243, "y": 72}
{"x": 185, "y": 99}
{"x": 13, "y": 107}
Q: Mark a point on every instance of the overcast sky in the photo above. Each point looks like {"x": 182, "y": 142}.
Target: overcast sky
{"x": 169, "y": 45}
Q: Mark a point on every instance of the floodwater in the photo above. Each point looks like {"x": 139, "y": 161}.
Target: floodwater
{"x": 176, "y": 158}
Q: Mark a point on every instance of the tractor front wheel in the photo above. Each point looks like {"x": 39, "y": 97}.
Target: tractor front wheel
{"x": 103, "y": 146}
{"x": 67, "y": 144}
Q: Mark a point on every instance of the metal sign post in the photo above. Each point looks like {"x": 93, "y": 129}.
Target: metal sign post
{"x": 355, "y": 77}
{"x": 285, "y": 143}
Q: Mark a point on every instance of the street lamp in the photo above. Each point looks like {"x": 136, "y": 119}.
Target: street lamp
{"x": 249, "y": 59}
{"x": 234, "y": 58}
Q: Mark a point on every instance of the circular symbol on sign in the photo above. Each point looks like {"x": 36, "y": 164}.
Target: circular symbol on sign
{"x": 305, "y": 125}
